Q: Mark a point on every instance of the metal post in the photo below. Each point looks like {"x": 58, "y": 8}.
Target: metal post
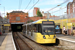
{"x": 48, "y": 15}
{"x": 62, "y": 16}
{"x": 26, "y": 29}
{"x": 4, "y": 11}
{"x": 67, "y": 16}
{"x": 73, "y": 9}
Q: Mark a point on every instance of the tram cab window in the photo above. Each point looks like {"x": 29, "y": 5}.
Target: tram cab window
{"x": 48, "y": 30}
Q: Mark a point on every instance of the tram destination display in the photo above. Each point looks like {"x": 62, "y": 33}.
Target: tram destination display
{"x": 47, "y": 22}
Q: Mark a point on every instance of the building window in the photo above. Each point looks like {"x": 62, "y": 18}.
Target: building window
{"x": 17, "y": 18}
{"x": 26, "y": 16}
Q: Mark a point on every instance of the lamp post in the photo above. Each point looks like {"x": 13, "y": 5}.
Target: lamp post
{"x": 48, "y": 15}
{"x": 73, "y": 10}
{"x": 67, "y": 16}
{"x": 4, "y": 10}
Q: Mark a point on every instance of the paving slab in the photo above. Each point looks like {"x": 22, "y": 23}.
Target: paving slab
{"x": 8, "y": 43}
{"x": 66, "y": 37}
{"x": 2, "y": 37}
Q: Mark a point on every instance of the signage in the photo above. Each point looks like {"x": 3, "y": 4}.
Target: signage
{"x": 47, "y": 22}
{"x": 6, "y": 24}
{"x": 57, "y": 29}
{"x": 69, "y": 24}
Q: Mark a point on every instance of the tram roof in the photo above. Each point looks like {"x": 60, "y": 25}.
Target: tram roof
{"x": 38, "y": 21}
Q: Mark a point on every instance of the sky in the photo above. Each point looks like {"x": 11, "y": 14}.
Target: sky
{"x": 43, "y": 5}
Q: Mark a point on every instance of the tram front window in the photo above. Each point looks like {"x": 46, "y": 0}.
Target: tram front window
{"x": 48, "y": 30}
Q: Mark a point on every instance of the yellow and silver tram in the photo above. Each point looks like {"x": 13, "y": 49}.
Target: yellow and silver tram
{"x": 41, "y": 31}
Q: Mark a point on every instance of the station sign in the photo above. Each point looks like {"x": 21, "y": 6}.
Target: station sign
{"x": 69, "y": 24}
{"x": 6, "y": 24}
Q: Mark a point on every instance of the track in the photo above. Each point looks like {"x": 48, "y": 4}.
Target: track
{"x": 20, "y": 43}
{"x": 37, "y": 46}
{"x": 52, "y": 47}
{"x": 46, "y": 46}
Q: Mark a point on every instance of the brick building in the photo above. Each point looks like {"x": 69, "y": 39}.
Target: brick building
{"x": 35, "y": 11}
{"x": 36, "y": 18}
{"x": 17, "y": 16}
{"x": 71, "y": 7}
{"x": 45, "y": 14}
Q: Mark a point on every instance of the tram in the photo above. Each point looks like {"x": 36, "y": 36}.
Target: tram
{"x": 41, "y": 31}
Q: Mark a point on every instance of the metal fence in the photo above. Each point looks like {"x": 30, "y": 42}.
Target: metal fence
{"x": 65, "y": 16}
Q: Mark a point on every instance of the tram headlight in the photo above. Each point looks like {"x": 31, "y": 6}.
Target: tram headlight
{"x": 54, "y": 37}
{"x": 44, "y": 37}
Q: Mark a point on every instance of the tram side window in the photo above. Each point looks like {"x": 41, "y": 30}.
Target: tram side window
{"x": 39, "y": 28}
{"x": 29, "y": 27}
{"x": 35, "y": 28}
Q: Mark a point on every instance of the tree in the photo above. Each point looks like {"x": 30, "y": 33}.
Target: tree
{"x": 39, "y": 14}
{"x": 30, "y": 21}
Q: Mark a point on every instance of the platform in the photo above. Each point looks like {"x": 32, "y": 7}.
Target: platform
{"x": 66, "y": 41}
{"x": 8, "y": 42}
{"x": 66, "y": 37}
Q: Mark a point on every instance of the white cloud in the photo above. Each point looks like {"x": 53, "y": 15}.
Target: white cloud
{"x": 30, "y": 12}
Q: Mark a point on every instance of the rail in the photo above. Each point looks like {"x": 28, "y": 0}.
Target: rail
{"x": 20, "y": 43}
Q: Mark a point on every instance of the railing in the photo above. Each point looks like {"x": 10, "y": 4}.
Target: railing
{"x": 65, "y": 16}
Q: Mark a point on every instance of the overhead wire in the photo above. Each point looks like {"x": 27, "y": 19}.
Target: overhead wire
{"x": 33, "y": 1}
{"x": 57, "y": 6}
{"x": 20, "y": 3}
{"x": 33, "y": 5}
{"x": 28, "y": 5}
{"x": 58, "y": 10}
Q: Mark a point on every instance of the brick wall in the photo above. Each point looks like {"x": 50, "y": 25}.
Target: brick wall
{"x": 34, "y": 18}
{"x": 12, "y": 17}
{"x": 35, "y": 11}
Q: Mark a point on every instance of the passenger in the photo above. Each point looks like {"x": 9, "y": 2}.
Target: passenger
{"x": 73, "y": 28}
{"x": 64, "y": 30}
{"x": 34, "y": 29}
{"x": 46, "y": 30}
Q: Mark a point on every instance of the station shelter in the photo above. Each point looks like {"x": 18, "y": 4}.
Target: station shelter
{"x": 1, "y": 29}
{"x": 6, "y": 28}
